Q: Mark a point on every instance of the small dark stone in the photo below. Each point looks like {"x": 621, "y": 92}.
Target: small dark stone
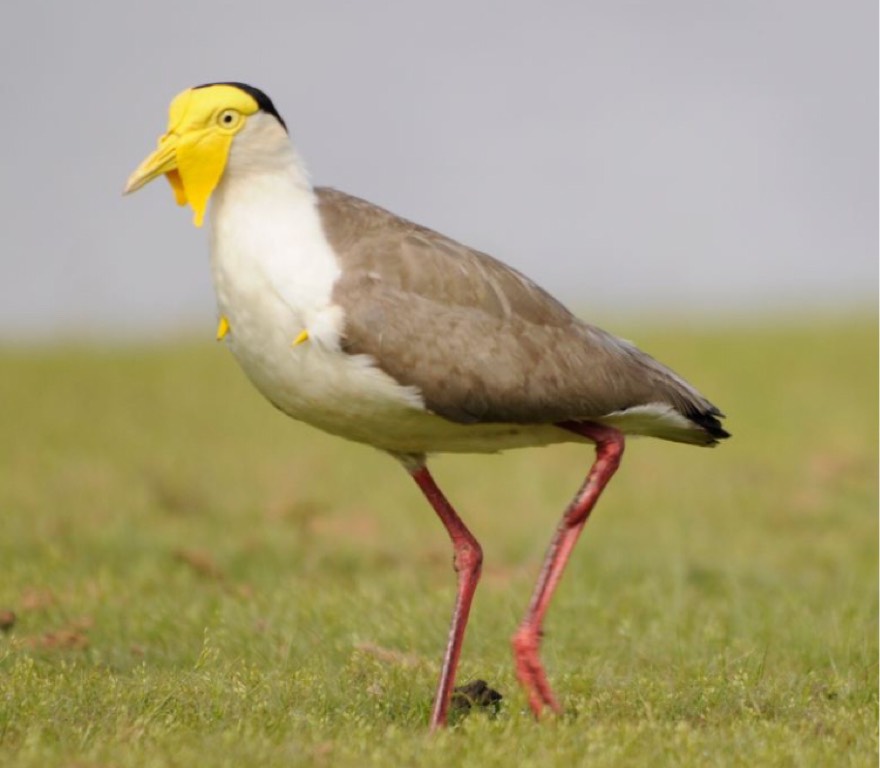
{"x": 476, "y": 693}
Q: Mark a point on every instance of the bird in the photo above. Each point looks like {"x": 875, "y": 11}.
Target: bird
{"x": 384, "y": 332}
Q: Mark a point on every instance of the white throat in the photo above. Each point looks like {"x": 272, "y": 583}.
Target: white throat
{"x": 266, "y": 231}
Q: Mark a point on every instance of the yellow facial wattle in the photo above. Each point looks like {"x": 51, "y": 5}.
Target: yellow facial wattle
{"x": 192, "y": 154}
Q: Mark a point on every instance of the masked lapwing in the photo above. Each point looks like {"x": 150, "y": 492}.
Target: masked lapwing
{"x": 384, "y": 332}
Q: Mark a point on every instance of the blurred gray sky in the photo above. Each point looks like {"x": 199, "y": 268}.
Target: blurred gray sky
{"x": 629, "y": 156}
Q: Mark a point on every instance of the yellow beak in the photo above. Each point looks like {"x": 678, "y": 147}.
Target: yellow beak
{"x": 193, "y": 163}
{"x": 163, "y": 160}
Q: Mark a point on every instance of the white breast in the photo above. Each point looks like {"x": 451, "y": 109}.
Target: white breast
{"x": 274, "y": 273}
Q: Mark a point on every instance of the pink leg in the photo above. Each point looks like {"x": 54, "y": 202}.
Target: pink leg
{"x": 609, "y": 448}
{"x": 467, "y": 561}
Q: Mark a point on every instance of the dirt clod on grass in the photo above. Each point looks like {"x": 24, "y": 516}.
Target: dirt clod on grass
{"x": 7, "y": 620}
{"x": 73, "y": 636}
{"x": 201, "y": 563}
{"x": 476, "y": 693}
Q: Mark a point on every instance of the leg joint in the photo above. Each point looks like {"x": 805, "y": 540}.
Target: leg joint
{"x": 468, "y": 555}
{"x": 525, "y": 640}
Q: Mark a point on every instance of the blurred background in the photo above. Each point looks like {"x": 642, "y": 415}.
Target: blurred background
{"x": 680, "y": 157}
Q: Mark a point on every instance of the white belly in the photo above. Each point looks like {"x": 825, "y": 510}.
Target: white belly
{"x": 348, "y": 395}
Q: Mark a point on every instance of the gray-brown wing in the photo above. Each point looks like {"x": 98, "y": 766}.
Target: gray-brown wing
{"x": 480, "y": 340}
{"x": 420, "y": 261}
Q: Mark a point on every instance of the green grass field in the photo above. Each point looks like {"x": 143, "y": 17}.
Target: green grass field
{"x": 198, "y": 581}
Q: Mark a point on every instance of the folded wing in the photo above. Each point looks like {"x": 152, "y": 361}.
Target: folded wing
{"x": 483, "y": 343}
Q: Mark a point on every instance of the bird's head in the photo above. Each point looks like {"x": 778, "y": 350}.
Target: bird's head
{"x": 193, "y": 153}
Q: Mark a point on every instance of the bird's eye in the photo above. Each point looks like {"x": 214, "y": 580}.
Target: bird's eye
{"x": 229, "y": 118}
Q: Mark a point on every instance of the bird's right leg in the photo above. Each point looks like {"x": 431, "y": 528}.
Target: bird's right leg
{"x": 609, "y": 448}
{"x": 467, "y": 561}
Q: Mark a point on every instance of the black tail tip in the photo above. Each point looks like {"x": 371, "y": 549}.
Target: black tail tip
{"x": 711, "y": 423}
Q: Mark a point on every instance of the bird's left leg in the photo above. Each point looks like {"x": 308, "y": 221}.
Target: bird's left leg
{"x": 467, "y": 561}
{"x": 609, "y": 448}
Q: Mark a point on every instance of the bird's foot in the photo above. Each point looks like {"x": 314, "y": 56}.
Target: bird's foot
{"x": 222, "y": 328}
{"x": 530, "y": 671}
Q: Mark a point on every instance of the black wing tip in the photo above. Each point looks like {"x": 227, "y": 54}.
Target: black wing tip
{"x": 263, "y": 101}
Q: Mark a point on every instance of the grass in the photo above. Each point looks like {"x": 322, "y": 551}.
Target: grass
{"x": 199, "y": 581}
